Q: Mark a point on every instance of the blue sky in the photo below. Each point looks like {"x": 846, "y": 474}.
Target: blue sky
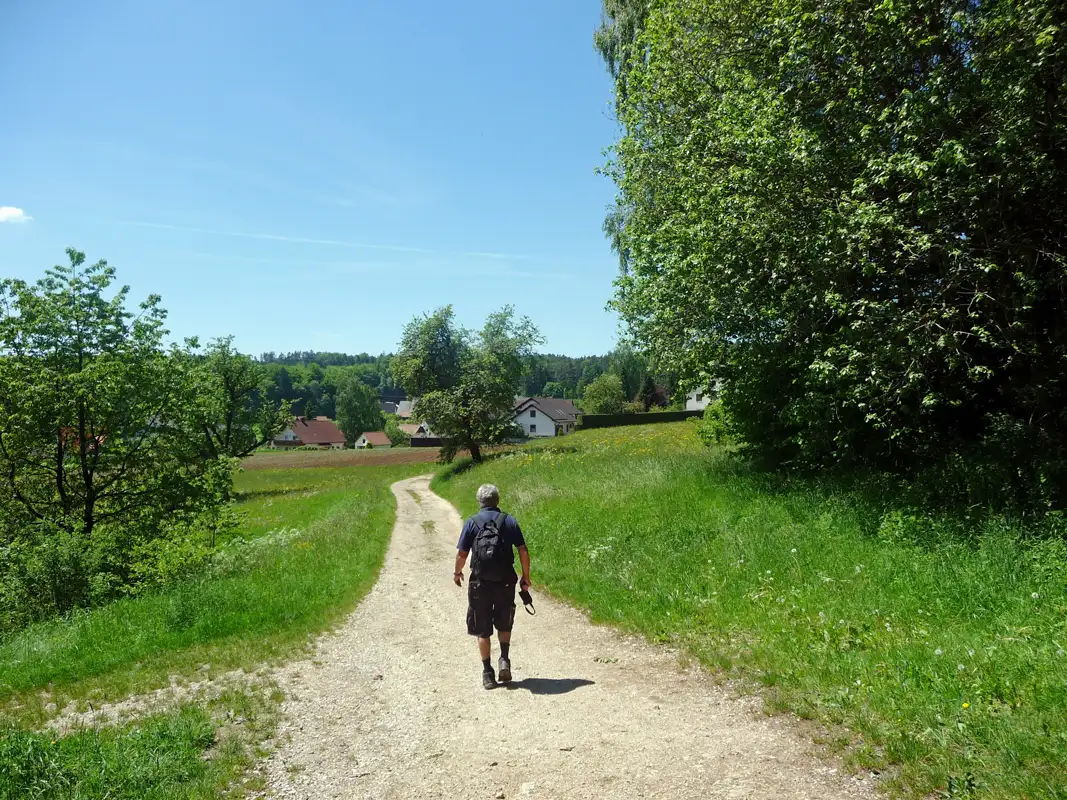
{"x": 311, "y": 176}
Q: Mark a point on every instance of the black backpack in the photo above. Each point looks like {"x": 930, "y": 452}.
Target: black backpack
{"x": 491, "y": 556}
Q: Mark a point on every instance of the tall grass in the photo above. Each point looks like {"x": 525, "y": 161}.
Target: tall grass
{"x": 317, "y": 538}
{"x": 946, "y": 653}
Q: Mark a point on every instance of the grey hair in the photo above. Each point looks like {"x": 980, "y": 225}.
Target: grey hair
{"x": 488, "y": 495}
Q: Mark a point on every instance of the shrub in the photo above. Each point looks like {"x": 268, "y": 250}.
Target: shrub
{"x": 714, "y": 427}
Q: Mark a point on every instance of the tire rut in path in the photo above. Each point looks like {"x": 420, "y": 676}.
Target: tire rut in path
{"x": 391, "y": 705}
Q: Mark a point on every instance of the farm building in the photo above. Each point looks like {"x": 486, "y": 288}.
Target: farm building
{"x": 375, "y": 439}
{"x": 321, "y": 432}
{"x": 545, "y": 416}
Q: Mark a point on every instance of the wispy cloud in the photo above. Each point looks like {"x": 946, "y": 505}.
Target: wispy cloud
{"x": 12, "y": 214}
{"x": 431, "y": 266}
{"x": 272, "y": 237}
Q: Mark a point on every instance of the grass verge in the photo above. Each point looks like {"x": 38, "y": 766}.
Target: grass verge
{"x": 191, "y": 752}
{"x": 318, "y": 538}
{"x": 945, "y": 653}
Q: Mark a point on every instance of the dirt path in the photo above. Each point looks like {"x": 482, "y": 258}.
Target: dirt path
{"x": 391, "y": 706}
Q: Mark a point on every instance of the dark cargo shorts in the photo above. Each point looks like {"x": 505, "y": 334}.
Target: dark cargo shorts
{"x": 491, "y": 604}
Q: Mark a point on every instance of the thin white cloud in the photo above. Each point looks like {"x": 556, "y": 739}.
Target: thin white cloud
{"x": 12, "y": 214}
{"x": 396, "y": 248}
{"x": 432, "y": 266}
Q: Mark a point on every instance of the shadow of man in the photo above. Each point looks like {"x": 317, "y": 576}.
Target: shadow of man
{"x": 549, "y": 685}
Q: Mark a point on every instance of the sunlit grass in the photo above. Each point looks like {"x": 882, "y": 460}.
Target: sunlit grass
{"x": 192, "y": 752}
{"x": 948, "y": 657}
{"x": 319, "y": 540}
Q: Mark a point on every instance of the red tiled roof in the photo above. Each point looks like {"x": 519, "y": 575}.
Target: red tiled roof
{"x": 377, "y": 438}
{"x": 410, "y": 430}
{"x": 317, "y": 431}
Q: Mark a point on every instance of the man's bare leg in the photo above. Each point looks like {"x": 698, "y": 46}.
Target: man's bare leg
{"x": 484, "y": 648}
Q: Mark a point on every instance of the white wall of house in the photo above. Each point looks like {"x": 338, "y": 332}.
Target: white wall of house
{"x": 697, "y": 400}
{"x": 361, "y": 443}
{"x": 537, "y": 425}
{"x": 285, "y": 436}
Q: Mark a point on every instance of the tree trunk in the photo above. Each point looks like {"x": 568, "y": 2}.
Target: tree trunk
{"x": 476, "y": 452}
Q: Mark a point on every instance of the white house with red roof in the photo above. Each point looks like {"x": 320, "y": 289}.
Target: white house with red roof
{"x": 375, "y": 439}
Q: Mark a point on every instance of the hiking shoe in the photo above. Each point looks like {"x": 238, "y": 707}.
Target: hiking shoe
{"x": 505, "y": 670}
{"x": 488, "y": 680}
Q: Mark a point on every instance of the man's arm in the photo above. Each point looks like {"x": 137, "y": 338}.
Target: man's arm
{"x": 524, "y": 560}
{"x": 461, "y": 559}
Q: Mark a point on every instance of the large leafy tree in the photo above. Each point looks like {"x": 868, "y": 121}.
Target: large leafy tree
{"x": 857, "y": 216}
{"x": 465, "y": 382}
{"x": 99, "y": 424}
{"x": 604, "y": 395}
{"x": 357, "y": 409}
{"x": 239, "y": 416}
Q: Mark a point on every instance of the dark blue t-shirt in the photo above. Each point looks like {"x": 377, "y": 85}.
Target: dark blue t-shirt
{"x": 509, "y": 529}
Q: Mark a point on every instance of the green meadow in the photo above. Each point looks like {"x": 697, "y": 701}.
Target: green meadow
{"x": 930, "y": 648}
{"x": 310, "y": 547}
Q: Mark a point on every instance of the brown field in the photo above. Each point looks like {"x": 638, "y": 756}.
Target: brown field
{"x": 340, "y": 458}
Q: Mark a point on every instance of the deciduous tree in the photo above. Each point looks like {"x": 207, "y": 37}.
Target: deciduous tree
{"x": 604, "y": 395}
{"x": 357, "y": 409}
{"x": 857, "y": 216}
{"x": 465, "y": 382}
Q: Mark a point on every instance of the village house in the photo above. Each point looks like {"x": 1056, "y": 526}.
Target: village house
{"x": 373, "y": 439}
{"x": 699, "y": 399}
{"x": 414, "y": 430}
{"x": 545, "y": 416}
{"x": 321, "y": 432}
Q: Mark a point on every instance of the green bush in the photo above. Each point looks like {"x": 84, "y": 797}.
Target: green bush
{"x": 714, "y": 429}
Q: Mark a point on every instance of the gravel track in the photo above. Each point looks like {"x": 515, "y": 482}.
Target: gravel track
{"x": 391, "y": 704}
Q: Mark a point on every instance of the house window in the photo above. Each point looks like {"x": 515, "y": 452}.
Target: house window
{"x": 699, "y": 397}
{"x": 533, "y": 429}
{"x": 533, "y": 413}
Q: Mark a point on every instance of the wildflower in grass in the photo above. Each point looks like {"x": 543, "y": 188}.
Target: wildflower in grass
{"x": 966, "y": 705}
{"x": 1060, "y": 652}
{"x": 1034, "y": 595}
{"x": 960, "y": 667}
{"x": 970, "y": 652}
{"x": 859, "y": 568}
{"x": 937, "y": 652}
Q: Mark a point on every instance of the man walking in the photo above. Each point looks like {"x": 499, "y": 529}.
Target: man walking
{"x": 490, "y": 535}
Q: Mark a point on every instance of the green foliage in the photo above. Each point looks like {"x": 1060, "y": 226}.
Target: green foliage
{"x": 604, "y": 395}
{"x": 714, "y": 429}
{"x": 357, "y": 409}
{"x": 238, "y": 416}
{"x": 647, "y": 395}
{"x": 938, "y": 640}
{"x": 554, "y": 389}
{"x": 108, "y": 442}
{"x": 632, "y": 369}
{"x": 465, "y": 382}
{"x": 855, "y": 217}
{"x": 393, "y": 431}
